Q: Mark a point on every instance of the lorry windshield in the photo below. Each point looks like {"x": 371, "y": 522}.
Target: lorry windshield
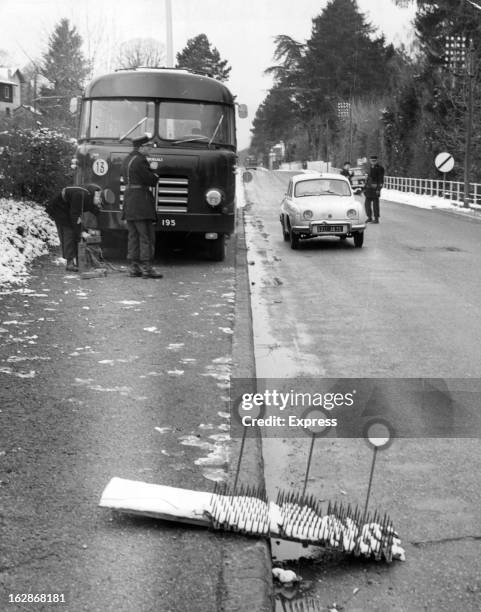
{"x": 178, "y": 122}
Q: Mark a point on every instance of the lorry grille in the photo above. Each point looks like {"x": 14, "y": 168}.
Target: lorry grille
{"x": 171, "y": 194}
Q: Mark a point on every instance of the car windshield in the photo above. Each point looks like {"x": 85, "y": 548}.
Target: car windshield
{"x": 320, "y": 186}
{"x": 178, "y": 122}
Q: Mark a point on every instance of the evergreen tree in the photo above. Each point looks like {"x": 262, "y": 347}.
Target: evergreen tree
{"x": 341, "y": 61}
{"x": 427, "y": 110}
{"x": 342, "y": 57}
{"x": 274, "y": 120}
{"x": 199, "y": 56}
{"x": 66, "y": 68}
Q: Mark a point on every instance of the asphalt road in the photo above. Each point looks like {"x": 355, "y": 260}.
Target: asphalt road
{"x": 124, "y": 377}
{"x": 406, "y": 305}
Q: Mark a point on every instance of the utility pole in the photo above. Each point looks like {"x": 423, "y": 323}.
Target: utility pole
{"x": 168, "y": 22}
{"x": 469, "y": 121}
{"x": 350, "y": 130}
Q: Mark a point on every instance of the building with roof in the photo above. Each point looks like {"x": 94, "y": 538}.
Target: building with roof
{"x": 11, "y": 85}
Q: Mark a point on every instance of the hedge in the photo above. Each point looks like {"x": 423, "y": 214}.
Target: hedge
{"x": 35, "y": 164}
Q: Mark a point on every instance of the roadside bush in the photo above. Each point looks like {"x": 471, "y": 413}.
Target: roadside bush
{"x": 35, "y": 164}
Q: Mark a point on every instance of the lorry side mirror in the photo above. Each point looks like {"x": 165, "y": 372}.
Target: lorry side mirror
{"x": 242, "y": 111}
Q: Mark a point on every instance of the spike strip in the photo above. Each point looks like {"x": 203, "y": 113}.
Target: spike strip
{"x": 301, "y": 518}
{"x": 243, "y": 511}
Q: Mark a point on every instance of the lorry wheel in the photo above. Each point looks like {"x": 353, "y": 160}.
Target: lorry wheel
{"x": 217, "y": 248}
{"x": 358, "y": 239}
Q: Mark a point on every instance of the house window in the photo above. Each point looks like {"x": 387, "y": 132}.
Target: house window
{"x": 6, "y": 93}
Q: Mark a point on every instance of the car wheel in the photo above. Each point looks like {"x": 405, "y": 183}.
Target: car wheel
{"x": 343, "y": 237}
{"x": 294, "y": 238}
{"x": 358, "y": 239}
{"x": 285, "y": 232}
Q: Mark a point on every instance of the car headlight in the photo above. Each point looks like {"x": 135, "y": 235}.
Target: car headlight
{"x": 307, "y": 214}
{"x": 213, "y": 197}
{"x": 352, "y": 213}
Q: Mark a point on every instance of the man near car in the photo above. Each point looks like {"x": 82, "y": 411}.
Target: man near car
{"x": 139, "y": 211}
{"x": 372, "y": 189}
{"x": 347, "y": 172}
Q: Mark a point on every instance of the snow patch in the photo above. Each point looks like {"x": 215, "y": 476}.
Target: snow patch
{"x": 425, "y": 201}
{"x": 6, "y": 370}
{"x": 175, "y": 346}
{"x": 163, "y": 430}
{"x": 129, "y": 302}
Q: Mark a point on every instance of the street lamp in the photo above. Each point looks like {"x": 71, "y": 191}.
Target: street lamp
{"x": 459, "y": 58}
{"x": 344, "y": 111}
{"x": 455, "y": 53}
{"x": 168, "y": 25}
{"x": 469, "y": 122}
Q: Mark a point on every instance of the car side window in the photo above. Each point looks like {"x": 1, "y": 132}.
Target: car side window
{"x": 289, "y": 189}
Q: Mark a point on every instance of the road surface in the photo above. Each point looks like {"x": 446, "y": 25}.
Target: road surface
{"x": 124, "y": 377}
{"x": 408, "y": 304}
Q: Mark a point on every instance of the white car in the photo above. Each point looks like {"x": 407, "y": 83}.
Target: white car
{"x": 321, "y": 204}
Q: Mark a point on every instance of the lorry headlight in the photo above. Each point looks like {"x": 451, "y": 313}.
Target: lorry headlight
{"x": 213, "y": 197}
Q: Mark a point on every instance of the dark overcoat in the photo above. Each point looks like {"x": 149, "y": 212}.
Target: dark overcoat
{"x": 374, "y": 181}
{"x": 139, "y": 204}
{"x": 67, "y": 210}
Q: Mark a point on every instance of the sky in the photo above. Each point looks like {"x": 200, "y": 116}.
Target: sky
{"x": 242, "y": 30}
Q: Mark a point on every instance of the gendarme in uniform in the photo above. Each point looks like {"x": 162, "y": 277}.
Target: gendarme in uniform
{"x": 139, "y": 211}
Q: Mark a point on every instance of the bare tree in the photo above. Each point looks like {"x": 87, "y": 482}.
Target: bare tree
{"x": 141, "y": 52}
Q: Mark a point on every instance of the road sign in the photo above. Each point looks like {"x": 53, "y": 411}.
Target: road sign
{"x": 444, "y": 162}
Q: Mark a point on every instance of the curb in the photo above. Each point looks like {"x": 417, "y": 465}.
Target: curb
{"x": 246, "y": 578}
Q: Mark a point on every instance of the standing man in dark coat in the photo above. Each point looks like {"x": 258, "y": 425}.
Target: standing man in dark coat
{"x": 139, "y": 211}
{"x": 347, "y": 172}
{"x": 372, "y": 189}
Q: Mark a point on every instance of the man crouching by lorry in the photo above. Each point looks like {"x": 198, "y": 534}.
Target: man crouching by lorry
{"x": 139, "y": 211}
{"x": 68, "y": 210}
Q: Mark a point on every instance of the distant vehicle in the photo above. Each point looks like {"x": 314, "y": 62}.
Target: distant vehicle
{"x": 318, "y": 205}
{"x": 251, "y": 162}
{"x": 358, "y": 179}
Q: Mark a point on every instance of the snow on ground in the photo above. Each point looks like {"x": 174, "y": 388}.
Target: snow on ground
{"x": 425, "y": 201}
{"x": 26, "y": 232}
{"x": 239, "y": 189}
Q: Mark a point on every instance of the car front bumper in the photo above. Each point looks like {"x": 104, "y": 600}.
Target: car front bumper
{"x": 333, "y": 228}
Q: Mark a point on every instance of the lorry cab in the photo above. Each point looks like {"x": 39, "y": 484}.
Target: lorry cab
{"x": 190, "y": 121}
